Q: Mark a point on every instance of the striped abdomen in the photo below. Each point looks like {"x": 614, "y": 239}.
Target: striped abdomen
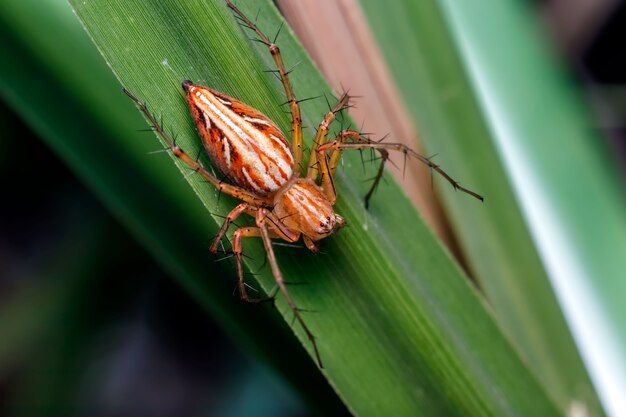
{"x": 242, "y": 142}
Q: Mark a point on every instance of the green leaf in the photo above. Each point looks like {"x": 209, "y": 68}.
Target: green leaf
{"x": 484, "y": 90}
{"x": 399, "y": 328}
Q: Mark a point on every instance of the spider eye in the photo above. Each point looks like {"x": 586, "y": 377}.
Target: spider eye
{"x": 321, "y": 224}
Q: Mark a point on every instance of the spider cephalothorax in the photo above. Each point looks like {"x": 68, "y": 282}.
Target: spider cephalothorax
{"x": 264, "y": 169}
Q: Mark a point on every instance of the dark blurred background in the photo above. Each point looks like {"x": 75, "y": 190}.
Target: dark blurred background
{"x": 590, "y": 34}
{"x": 128, "y": 341}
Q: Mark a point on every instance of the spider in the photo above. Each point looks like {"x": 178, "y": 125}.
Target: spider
{"x": 263, "y": 170}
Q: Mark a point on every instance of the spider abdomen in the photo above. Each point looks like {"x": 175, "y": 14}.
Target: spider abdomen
{"x": 242, "y": 143}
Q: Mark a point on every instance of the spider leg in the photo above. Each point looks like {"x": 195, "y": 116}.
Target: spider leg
{"x": 266, "y": 235}
{"x": 195, "y": 166}
{"x": 294, "y": 107}
{"x": 237, "y": 251}
{"x": 231, "y": 217}
{"x": 268, "y": 227}
{"x": 322, "y": 134}
{"x": 359, "y": 141}
{"x": 277, "y": 227}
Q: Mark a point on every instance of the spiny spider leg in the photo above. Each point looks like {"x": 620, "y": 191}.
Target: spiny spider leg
{"x": 278, "y": 276}
{"x": 277, "y": 227}
{"x": 322, "y": 134}
{"x": 237, "y": 251}
{"x": 229, "y": 189}
{"x": 359, "y": 141}
{"x": 296, "y": 119}
{"x": 231, "y": 217}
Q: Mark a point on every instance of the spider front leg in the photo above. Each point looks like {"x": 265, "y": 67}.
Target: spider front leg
{"x": 231, "y": 217}
{"x": 278, "y": 228}
{"x": 294, "y": 107}
{"x": 266, "y": 235}
{"x": 322, "y": 134}
{"x": 278, "y": 231}
{"x": 328, "y": 166}
{"x": 237, "y": 251}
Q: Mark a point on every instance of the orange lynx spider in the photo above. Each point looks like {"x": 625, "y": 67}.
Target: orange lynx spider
{"x": 252, "y": 152}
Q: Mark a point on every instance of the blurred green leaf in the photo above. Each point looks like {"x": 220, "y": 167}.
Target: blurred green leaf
{"x": 486, "y": 95}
